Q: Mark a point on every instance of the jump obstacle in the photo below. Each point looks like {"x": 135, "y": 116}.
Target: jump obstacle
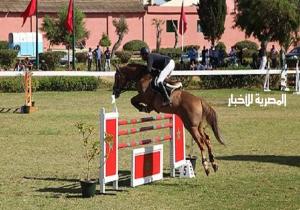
{"x": 29, "y": 104}
{"x": 147, "y": 163}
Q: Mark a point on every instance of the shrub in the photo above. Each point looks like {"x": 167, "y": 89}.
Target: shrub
{"x": 81, "y": 57}
{"x": 52, "y": 59}
{"x": 221, "y": 46}
{"x": 16, "y": 84}
{"x": 174, "y": 53}
{"x": 105, "y": 41}
{"x": 237, "y": 81}
{"x": 134, "y": 45}
{"x": 124, "y": 56}
{"x": 246, "y": 44}
{"x": 7, "y": 58}
{"x": 3, "y": 45}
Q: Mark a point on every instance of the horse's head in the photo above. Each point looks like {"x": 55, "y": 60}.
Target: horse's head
{"x": 127, "y": 76}
{"x": 120, "y": 82}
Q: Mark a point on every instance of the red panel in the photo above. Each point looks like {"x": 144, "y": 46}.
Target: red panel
{"x": 179, "y": 143}
{"x": 111, "y": 163}
{"x": 147, "y": 164}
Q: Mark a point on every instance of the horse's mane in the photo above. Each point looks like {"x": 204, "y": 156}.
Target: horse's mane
{"x": 134, "y": 71}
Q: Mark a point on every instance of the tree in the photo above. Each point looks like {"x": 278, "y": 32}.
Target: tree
{"x": 268, "y": 20}
{"x": 212, "y": 14}
{"x": 56, "y": 31}
{"x": 105, "y": 41}
{"x": 158, "y": 25}
{"x": 121, "y": 29}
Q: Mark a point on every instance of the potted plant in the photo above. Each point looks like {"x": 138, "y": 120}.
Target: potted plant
{"x": 190, "y": 155}
{"x": 91, "y": 150}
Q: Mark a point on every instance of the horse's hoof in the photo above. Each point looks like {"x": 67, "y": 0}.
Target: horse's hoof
{"x": 215, "y": 167}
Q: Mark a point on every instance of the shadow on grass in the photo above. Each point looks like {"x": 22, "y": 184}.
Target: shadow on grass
{"x": 282, "y": 160}
{"x": 50, "y": 179}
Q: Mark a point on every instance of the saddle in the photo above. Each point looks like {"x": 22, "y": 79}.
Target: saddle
{"x": 170, "y": 85}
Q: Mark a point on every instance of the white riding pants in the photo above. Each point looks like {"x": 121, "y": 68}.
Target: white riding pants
{"x": 166, "y": 72}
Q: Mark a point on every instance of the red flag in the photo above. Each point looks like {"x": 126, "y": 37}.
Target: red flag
{"x": 69, "y": 20}
{"x": 30, "y": 11}
{"x": 183, "y": 22}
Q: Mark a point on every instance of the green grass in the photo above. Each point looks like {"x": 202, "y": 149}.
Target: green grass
{"x": 41, "y": 156}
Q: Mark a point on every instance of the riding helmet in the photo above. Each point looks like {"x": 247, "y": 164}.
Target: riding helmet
{"x": 144, "y": 51}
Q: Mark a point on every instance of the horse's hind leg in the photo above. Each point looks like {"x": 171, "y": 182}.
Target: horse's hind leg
{"x": 199, "y": 139}
{"x": 209, "y": 149}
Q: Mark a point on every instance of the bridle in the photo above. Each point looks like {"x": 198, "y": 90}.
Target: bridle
{"x": 118, "y": 89}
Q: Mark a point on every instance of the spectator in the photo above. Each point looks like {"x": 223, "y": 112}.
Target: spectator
{"x": 97, "y": 53}
{"x": 193, "y": 65}
{"x": 273, "y": 57}
{"x": 207, "y": 59}
{"x": 263, "y": 57}
{"x": 282, "y": 58}
{"x": 107, "y": 59}
{"x": 19, "y": 66}
{"x": 232, "y": 56}
{"x": 27, "y": 64}
{"x": 255, "y": 61}
{"x": 203, "y": 52}
{"x": 240, "y": 56}
{"x": 90, "y": 59}
{"x": 214, "y": 54}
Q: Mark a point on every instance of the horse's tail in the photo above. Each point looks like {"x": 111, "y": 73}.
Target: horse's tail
{"x": 211, "y": 118}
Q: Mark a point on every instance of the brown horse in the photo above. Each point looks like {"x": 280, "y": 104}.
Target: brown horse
{"x": 193, "y": 110}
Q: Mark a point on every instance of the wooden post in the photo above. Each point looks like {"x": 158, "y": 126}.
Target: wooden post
{"x": 29, "y": 104}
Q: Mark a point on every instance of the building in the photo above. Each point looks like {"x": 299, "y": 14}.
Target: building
{"x": 138, "y": 13}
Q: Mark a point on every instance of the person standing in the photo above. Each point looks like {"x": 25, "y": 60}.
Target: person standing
{"x": 263, "y": 57}
{"x": 97, "y": 53}
{"x": 203, "y": 52}
{"x": 107, "y": 59}
{"x": 90, "y": 59}
{"x": 273, "y": 57}
{"x": 282, "y": 58}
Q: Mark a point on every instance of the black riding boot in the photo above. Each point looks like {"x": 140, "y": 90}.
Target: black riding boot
{"x": 165, "y": 94}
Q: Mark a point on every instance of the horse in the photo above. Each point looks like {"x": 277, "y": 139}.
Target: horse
{"x": 193, "y": 111}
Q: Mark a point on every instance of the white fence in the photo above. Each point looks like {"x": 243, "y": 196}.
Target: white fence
{"x": 175, "y": 73}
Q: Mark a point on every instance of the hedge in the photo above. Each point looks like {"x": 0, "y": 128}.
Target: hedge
{"x": 8, "y": 58}
{"x": 3, "y": 45}
{"x": 174, "y": 53}
{"x": 16, "y": 84}
{"x": 246, "y": 44}
{"x": 124, "y": 56}
{"x": 134, "y": 45}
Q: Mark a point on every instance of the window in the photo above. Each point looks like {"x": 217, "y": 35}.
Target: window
{"x": 170, "y": 27}
{"x": 199, "y": 29}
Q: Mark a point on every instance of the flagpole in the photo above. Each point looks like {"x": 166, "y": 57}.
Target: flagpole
{"x": 182, "y": 36}
{"x": 37, "y": 37}
{"x": 73, "y": 49}
{"x": 182, "y": 26}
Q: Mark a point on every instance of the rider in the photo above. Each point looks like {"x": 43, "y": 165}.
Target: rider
{"x": 161, "y": 64}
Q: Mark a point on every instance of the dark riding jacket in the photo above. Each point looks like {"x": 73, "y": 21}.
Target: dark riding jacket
{"x": 157, "y": 62}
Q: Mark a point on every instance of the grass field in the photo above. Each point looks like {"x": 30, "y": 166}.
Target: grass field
{"x": 41, "y": 157}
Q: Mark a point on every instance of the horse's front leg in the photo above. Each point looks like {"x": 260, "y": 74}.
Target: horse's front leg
{"x": 137, "y": 102}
